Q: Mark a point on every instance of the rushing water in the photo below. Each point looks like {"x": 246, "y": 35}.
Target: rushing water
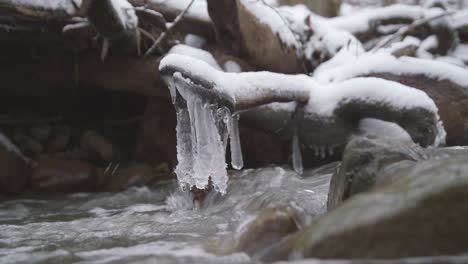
{"x": 160, "y": 225}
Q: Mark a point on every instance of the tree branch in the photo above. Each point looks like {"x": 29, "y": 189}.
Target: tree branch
{"x": 404, "y": 30}
{"x": 169, "y": 29}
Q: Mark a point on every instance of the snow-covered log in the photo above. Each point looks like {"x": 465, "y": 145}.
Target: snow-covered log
{"x": 445, "y": 83}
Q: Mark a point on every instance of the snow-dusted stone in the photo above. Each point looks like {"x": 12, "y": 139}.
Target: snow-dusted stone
{"x": 319, "y": 40}
{"x": 111, "y": 17}
{"x": 257, "y": 30}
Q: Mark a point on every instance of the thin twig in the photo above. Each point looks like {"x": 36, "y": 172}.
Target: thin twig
{"x": 166, "y": 33}
{"x": 404, "y": 30}
{"x": 146, "y": 34}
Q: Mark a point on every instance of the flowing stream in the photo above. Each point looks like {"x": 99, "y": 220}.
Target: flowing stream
{"x": 160, "y": 225}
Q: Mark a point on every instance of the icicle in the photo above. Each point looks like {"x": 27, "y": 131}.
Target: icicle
{"x": 172, "y": 89}
{"x": 296, "y": 154}
{"x": 236, "y": 152}
{"x": 201, "y": 151}
{"x": 184, "y": 169}
{"x": 222, "y": 122}
{"x": 202, "y": 143}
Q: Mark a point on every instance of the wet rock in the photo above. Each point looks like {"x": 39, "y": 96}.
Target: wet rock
{"x": 63, "y": 176}
{"x": 40, "y": 132}
{"x": 364, "y": 162}
{"x": 28, "y": 145}
{"x": 156, "y": 140}
{"x": 59, "y": 139}
{"x": 14, "y": 168}
{"x": 266, "y": 229}
{"x": 421, "y": 214}
{"x": 74, "y": 153}
{"x": 101, "y": 147}
{"x": 122, "y": 176}
{"x": 199, "y": 195}
{"x": 244, "y": 34}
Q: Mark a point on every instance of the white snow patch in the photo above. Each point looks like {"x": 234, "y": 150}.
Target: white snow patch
{"x": 360, "y": 21}
{"x": 325, "y": 99}
{"x": 459, "y": 19}
{"x": 452, "y": 60}
{"x": 194, "y": 41}
{"x": 383, "y": 62}
{"x": 232, "y": 66}
{"x": 198, "y": 10}
{"x": 317, "y": 35}
{"x": 461, "y": 52}
{"x": 382, "y": 129}
{"x": 426, "y": 45}
{"x": 75, "y": 26}
{"x": 196, "y": 53}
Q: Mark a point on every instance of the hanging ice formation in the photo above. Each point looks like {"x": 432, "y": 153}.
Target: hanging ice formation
{"x": 203, "y": 129}
{"x": 296, "y": 153}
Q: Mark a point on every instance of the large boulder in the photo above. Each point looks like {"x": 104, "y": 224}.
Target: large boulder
{"x": 14, "y": 168}
{"x": 250, "y": 29}
{"x": 423, "y": 213}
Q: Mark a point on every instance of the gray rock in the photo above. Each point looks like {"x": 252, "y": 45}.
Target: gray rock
{"x": 59, "y": 139}
{"x": 63, "y": 176}
{"x": 14, "y": 168}
{"x": 100, "y": 146}
{"x": 367, "y": 162}
{"x": 423, "y": 213}
{"x": 268, "y": 227}
{"x": 40, "y": 132}
{"x": 122, "y": 176}
{"x": 28, "y": 145}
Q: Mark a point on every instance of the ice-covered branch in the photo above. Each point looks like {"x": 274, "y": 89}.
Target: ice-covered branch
{"x": 330, "y": 115}
{"x": 237, "y": 91}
